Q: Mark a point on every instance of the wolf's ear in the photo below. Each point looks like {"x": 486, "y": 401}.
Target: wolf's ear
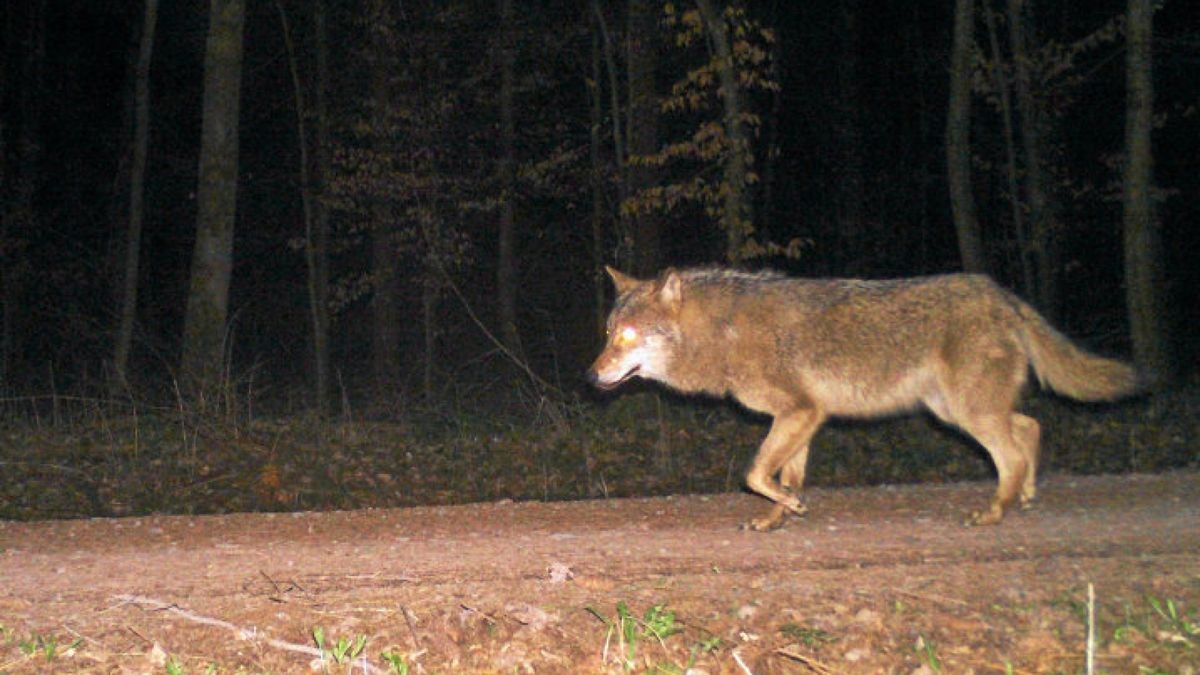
{"x": 622, "y": 282}
{"x": 671, "y": 292}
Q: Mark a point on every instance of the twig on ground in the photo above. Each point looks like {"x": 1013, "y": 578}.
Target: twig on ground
{"x": 813, "y": 664}
{"x": 250, "y": 634}
{"x": 1091, "y": 629}
{"x": 741, "y": 664}
{"x": 409, "y": 619}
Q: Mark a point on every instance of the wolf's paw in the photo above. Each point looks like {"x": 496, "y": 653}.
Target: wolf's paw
{"x": 796, "y": 507}
{"x": 776, "y": 517}
{"x": 1025, "y": 499}
{"x": 764, "y": 524}
{"x": 992, "y": 516}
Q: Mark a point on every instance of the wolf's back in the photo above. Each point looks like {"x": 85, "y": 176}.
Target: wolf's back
{"x": 1069, "y": 370}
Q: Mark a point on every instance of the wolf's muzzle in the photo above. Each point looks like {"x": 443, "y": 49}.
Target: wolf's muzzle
{"x": 593, "y": 378}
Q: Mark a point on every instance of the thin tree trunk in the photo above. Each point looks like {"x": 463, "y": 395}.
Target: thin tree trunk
{"x": 625, "y": 244}
{"x": 137, "y": 190}
{"x": 596, "y": 110}
{"x": 1040, "y": 220}
{"x": 642, "y": 58}
{"x": 1010, "y": 156}
{"x": 506, "y": 270}
{"x": 320, "y": 231}
{"x": 1143, "y": 240}
{"x": 119, "y": 203}
{"x": 737, "y": 217}
{"x": 850, "y": 184}
{"x": 216, "y": 196}
{"x": 769, "y": 186}
{"x": 432, "y": 282}
{"x": 308, "y": 206}
{"x": 385, "y": 316}
{"x": 429, "y": 297}
{"x": 958, "y": 140}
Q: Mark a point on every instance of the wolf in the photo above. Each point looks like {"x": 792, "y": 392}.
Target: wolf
{"x": 805, "y": 350}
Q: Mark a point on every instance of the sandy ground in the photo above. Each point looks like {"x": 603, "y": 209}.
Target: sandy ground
{"x": 872, "y": 580}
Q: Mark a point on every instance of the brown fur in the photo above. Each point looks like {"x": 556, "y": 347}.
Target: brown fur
{"x": 804, "y": 350}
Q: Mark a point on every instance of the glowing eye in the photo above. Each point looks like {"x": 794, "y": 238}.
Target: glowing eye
{"x": 627, "y": 335}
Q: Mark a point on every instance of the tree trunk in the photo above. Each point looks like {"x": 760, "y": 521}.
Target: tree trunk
{"x": 1044, "y": 238}
{"x": 596, "y": 111}
{"x": 320, "y": 230}
{"x": 137, "y": 189}
{"x": 737, "y": 216}
{"x": 768, "y": 191}
{"x": 429, "y": 298}
{"x": 506, "y": 269}
{"x": 385, "y": 316}
{"x": 624, "y": 256}
{"x": 641, "y": 48}
{"x": 1143, "y": 242}
{"x": 308, "y": 199}
{"x": 216, "y": 197}
{"x": 850, "y": 184}
{"x": 1029, "y": 279}
{"x": 958, "y": 140}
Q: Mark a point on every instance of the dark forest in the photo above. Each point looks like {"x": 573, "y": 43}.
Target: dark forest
{"x": 225, "y": 224}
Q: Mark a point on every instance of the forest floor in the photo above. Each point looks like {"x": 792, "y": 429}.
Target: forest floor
{"x": 879, "y": 579}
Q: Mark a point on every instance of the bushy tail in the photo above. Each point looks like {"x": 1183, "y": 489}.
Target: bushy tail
{"x": 1069, "y": 370}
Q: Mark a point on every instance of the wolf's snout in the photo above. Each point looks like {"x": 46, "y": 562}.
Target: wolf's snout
{"x": 608, "y": 382}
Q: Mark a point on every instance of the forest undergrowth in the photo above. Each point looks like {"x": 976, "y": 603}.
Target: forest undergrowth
{"x": 78, "y": 456}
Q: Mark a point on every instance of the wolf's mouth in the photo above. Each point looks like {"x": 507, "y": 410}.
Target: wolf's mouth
{"x": 608, "y": 386}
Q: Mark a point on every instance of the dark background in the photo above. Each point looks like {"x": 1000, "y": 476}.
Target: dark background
{"x": 67, "y": 253}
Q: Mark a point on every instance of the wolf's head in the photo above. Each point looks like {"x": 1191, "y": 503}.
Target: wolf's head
{"x": 643, "y": 330}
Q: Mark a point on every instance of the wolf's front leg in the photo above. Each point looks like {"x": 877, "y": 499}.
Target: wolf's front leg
{"x": 785, "y": 451}
{"x": 792, "y": 478}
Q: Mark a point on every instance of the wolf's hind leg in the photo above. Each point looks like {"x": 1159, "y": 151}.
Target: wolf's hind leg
{"x": 995, "y": 433}
{"x": 787, "y": 441}
{"x": 1027, "y": 432}
{"x": 792, "y": 478}
{"x": 978, "y": 382}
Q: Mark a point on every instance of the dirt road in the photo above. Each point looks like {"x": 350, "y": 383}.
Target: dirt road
{"x": 872, "y": 580}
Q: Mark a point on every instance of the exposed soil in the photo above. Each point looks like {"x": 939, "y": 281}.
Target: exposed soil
{"x": 872, "y": 580}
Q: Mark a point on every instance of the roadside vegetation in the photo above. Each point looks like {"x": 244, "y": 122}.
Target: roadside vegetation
{"x": 78, "y": 455}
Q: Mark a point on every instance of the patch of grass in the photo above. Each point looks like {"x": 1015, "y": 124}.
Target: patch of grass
{"x": 174, "y": 667}
{"x": 927, "y": 652}
{"x": 706, "y": 646}
{"x": 46, "y": 646}
{"x": 810, "y": 637}
{"x": 397, "y": 662}
{"x": 343, "y": 651}
{"x": 1072, "y": 604}
{"x": 904, "y": 609}
{"x": 1013, "y": 608}
{"x": 1164, "y": 622}
{"x": 657, "y": 623}
{"x": 1162, "y": 632}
